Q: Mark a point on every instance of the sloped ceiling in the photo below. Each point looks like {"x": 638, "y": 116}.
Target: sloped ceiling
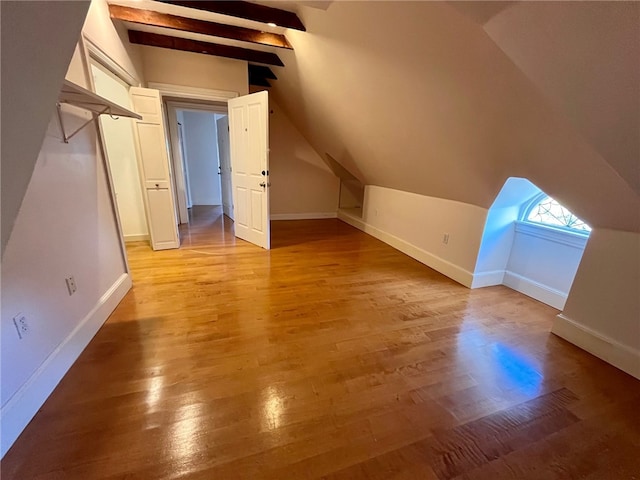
{"x": 585, "y": 57}
{"x": 417, "y": 97}
{"x": 481, "y": 12}
{"x": 38, "y": 40}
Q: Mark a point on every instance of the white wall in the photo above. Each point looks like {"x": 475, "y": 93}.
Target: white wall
{"x": 121, "y": 151}
{"x": 497, "y": 237}
{"x": 543, "y": 263}
{"x": 537, "y": 261}
{"x": 415, "y": 224}
{"x": 302, "y": 185}
{"x": 602, "y": 313}
{"x": 201, "y": 151}
{"x": 66, "y": 227}
{"x": 112, "y": 39}
{"x": 31, "y": 79}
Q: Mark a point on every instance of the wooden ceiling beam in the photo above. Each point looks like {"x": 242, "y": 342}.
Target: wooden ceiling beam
{"x": 258, "y": 81}
{"x": 157, "y": 19}
{"x": 246, "y": 10}
{"x": 195, "y": 46}
{"x": 262, "y": 71}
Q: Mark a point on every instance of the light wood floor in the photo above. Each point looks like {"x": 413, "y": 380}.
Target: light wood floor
{"x": 331, "y": 356}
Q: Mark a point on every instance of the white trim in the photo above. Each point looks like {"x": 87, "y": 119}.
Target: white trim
{"x": 192, "y": 93}
{"x": 303, "y": 216}
{"x": 533, "y": 289}
{"x": 487, "y": 279}
{"x": 443, "y": 266}
{"x": 95, "y": 52}
{"x": 551, "y": 234}
{"x": 25, "y": 403}
{"x": 92, "y": 52}
{"x": 611, "y": 351}
{"x": 136, "y": 238}
{"x": 180, "y": 175}
{"x": 190, "y": 106}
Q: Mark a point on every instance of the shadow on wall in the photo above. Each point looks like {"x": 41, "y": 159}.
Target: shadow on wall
{"x": 532, "y": 257}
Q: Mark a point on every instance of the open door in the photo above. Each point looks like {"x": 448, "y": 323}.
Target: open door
{"x": 249, "y": 142}
{"x": 153, "y": 159}
{"x": 222, "y": 125}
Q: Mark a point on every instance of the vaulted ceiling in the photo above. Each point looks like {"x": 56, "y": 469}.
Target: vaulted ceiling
{"x": 449, "y": 99}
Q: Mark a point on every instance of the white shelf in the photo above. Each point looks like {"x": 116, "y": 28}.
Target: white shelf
{"x": 78, "y": 96}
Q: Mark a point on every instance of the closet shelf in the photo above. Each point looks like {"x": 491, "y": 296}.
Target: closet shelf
{"x": 78, "y": 96}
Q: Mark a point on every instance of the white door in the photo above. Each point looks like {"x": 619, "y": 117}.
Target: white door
{"x": 153, "y": 159}
{"x": 249, "y": 142}
{"x": 181, "y": 183}
{"x": 222, "y": 125}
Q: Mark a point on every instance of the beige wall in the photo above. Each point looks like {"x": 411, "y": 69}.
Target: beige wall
{"x": 585, "y": 57}
{"x": 300, "y": 181}
{"x": 162, "y": 65}
{"x": 416, "y": 225}
{"x": 443, "y": 111}
{"x": 602, "y": 313}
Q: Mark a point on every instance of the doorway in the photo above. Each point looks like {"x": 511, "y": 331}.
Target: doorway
{"x": 199, "y": 136}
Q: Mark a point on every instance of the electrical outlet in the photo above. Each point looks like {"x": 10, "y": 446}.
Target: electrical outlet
{"x": 445, "y": 239}
{"x": 71, "y": 285}
{"x": 22, "y": 327}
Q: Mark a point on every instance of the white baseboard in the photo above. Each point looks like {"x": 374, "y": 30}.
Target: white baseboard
{"x": 25, "y": 403}
{"x": 303, "y": 216}
{"x": 439, "y": 264}
{"x": 136, "y": 238}
{"x": 533, "y": 289}
{"x": 351, "y": 220}
{"x": 611, "y": 351}
{"x": 488, "y": 279}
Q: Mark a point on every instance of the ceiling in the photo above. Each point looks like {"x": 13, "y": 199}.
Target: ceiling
{"x": 170, "y": 25}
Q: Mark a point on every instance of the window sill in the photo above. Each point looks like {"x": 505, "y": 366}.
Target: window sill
{"x": 551, "y": 234}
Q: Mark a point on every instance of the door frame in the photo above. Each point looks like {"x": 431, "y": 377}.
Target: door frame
{"x": 186, "y": 98}
{"x": 177, "y": 160}
{"x": 91, "y": 52}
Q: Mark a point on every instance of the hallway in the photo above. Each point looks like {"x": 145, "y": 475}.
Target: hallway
{"x": 332, "y": 355}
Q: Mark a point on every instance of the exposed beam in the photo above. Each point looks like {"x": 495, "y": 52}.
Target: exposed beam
{"x": 157, "y": 19}
{"x": 258, "y": 81}
{"x": 186, "y": 45}
{"x": 246, "y": 10}
{"x": 262, "y": 71}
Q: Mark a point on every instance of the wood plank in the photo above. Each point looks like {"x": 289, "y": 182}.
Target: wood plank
{"x": 157, "y": 19}
{"x": 330, "y": 356}
{"x": 207, "y": 48}
{"x": 246, "y": 10}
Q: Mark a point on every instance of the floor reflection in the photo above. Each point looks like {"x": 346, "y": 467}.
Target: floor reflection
{"x": 497, "y": 366}
{"x": 272, "y": 408}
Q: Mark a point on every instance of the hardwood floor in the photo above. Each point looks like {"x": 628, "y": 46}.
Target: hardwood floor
{"x": 331, "y": 356}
